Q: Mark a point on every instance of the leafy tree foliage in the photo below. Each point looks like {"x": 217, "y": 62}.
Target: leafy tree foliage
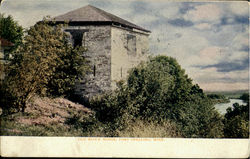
{"x": 245, "y": 97}
{"x": 46, "y": 64}
{"x": 159, "y": 90}
{"x": 237, "y": 121}
{"x": 11, "y": 30}
{"x": 216, "y": 96}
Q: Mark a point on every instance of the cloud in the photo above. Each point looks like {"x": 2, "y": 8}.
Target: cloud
{"x": 169, "y": 10}
{"x": 186, "y": 7}
{"x": 212, "y": 77}
{"x": 239, "y": 8}
{"x": 211, "y": 80}
{"x": 140, "y": 6}
{"x": 223, "y": 36}
{"x": 242, "y": 19}
{"x": 221, "y": 86}
{"x": 240, "y": 42}
{"x": 234, "y": 19}
{"x": 244, "y": 48}
{"x": 27, "y": 13}
{"x": 98, "y": 3}
{"x": 206, "y": 12}
{"x": 180, "y": 22}
{"x": 227, "y": 66}
{"x": 210, "y": 55}
{"x": 203, "y": 26}
{"x": 179, "y": 43}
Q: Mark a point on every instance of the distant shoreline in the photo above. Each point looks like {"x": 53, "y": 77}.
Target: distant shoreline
{"x": 228, "y": 94}
{"x": 232, "y": 91}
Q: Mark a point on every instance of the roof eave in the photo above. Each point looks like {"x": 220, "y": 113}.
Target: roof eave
{"x": 78, "y": 23}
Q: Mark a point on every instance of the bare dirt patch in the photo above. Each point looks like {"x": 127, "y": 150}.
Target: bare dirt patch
{"x": 44, "y": 111}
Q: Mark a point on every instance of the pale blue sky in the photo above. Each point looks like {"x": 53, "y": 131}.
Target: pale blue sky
{"x": 209, "y": 39}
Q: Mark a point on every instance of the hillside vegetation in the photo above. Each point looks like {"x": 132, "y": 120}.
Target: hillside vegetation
{"x": 160, "y": 91}
{"x": 61, "y": 117}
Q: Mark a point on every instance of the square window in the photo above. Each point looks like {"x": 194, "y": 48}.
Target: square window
{"x": 131, "y": 44}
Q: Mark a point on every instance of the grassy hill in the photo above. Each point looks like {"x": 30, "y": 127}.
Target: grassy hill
{"x": 61, "y": 117}
{"x": 44, "y": 117}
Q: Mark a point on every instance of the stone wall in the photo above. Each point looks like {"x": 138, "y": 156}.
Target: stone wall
{"x": 111, "y": 52}
{"x": 97, "y": 40}
{"x": 124, "y": 55}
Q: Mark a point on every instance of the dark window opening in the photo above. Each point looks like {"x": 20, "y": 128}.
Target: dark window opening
{"x": 131, "y": 44}
{"x": 94, "y": 70}
{"x": 78, "y": 36}
{"x": 77, "y": 39}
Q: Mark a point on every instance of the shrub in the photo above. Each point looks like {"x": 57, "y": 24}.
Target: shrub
{"x": 237, "y": 121}
{"x": 216, "y": 96}
{"x": 159, "y": 90}
{"x": 141, "y": 128}
{"x": 84, "y": 122}
{"x": 245, "y": 97}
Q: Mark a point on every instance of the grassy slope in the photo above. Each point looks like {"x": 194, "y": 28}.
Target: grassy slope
{"x": 50, "y": 117}
{"x": 43, "y": 117}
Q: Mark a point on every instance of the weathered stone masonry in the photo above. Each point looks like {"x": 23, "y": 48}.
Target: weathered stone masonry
{"x": 97, "y": 40}
{"x": 113, "y": 47}
{"x": 129, "y": 48}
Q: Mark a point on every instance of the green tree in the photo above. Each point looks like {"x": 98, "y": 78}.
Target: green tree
{"x": 245, "y": 97}
{"x": 237, "y": 121}
{"x": 159, "y": 90}
{"x": 11, "y": 30}
{"x": 216, "y": 96}
{"x": 46, "y": 63}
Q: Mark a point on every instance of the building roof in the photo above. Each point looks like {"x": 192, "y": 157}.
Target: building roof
{"x": 91, "y": 14}
{"x": 4, "y": 42}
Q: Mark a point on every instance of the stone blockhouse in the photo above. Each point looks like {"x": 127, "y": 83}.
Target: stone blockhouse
{"x": 114, "y": 45}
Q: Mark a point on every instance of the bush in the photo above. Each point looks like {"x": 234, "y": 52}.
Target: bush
{"x": 150, "y": 129}
{"x": 245, "y": 97}
{"x": 216, "y": 96}
{"x": 159, "y": 90}
{"x": 237, "y": 121}
{"x": 84, "y": 122}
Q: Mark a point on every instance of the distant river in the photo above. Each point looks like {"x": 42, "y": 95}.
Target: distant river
{"x": 222, "y": 107}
